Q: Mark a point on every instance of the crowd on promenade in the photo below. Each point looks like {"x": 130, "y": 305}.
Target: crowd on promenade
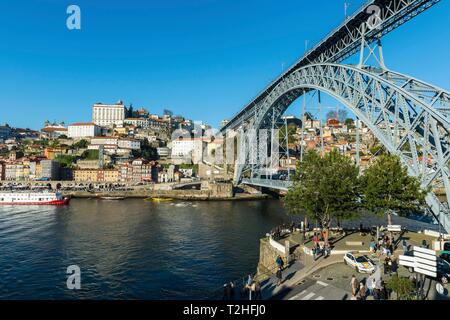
{"x": 278, "y": 232}
{"x": 372, "y": 286}
{"x": 251, "y": 290}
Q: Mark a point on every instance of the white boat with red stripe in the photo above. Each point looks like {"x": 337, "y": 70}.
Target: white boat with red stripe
{"x": 33, "y": 198}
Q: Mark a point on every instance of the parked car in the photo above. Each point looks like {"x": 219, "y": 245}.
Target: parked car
{"x": 443, "y": 271}
{"x": 445, "y": 254}
{"x": 360, "y": 263}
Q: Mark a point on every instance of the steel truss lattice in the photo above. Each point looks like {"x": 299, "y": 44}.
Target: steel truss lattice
{"x": 409, "y": 117}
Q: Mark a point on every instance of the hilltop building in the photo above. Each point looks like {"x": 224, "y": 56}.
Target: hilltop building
{"x": 108, "y": 114}
{"x": 83, "y": 130}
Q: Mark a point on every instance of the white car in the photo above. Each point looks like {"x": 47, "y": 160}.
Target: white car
{"x": 360, "y": 263}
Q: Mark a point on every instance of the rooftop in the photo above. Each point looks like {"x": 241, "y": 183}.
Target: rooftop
{"x": 82, "y": 124}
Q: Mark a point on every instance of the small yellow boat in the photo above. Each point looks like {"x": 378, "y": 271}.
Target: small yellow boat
{"x": 161, "y": 199}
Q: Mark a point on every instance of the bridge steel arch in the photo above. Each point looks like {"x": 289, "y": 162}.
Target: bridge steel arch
{"x": 409, "y": 117}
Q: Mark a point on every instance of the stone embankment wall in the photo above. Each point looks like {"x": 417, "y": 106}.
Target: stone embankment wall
{"x": 215, "y": 191}
{"x": 268, "y": 254}
{"x": 267, "y": 258}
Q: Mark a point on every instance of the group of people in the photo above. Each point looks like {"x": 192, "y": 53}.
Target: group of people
{"x": 384, "y": 245}
{"x": 253, "y": 288}
{"x": 390, "y": 265}
{"x": 370, "y": 287}
{"x": 277, "y": 232}
{"x": 318, "y": 248}
{"x": 229, "y": 291}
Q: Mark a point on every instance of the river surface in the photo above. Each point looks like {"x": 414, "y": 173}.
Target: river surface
{"x": 131, "y": 249}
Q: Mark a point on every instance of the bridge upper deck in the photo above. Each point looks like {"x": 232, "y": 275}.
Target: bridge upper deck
{"x": 344, "y": 41}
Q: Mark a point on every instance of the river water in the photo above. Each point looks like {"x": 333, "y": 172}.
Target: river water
{"x": 131, "y": 249}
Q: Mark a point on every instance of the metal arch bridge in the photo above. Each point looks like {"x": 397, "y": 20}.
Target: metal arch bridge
{"x": 409, "y": 117}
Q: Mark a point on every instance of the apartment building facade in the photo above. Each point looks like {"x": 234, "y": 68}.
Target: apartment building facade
{"x": 106, "y": 115}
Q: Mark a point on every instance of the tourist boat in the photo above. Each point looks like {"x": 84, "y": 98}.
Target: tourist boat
{"x": 33, "y": 198}
{"x": 111, "y": 198}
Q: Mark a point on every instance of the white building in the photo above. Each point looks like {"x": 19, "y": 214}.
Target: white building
{"x": 104, "y": 141}
{"x": 83, "y": 130}
{"x": 163, "y": 152}
{"x": 108, "y": 114}
{"x": 53, "y": 130}
{"x": 138, "y": 122}
{"x": 129, "y": 144}
{"x": 188, "y": 149}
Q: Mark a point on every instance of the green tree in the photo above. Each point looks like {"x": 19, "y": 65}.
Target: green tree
{"x": 403, "y": 287}
{"x": 376, "y": 149}
{"x": 82, "y": 144}
{"x": 129, "y": 112}
{"x": 350, "y": 123}
{"x": 146, "y": 151}
{"x": 387, "y": 187}
{"x": 291, "y": 131}
{"x": 90, "y": 155}
{"x": 325, "y": 188}
{"x": 66, "y": 161}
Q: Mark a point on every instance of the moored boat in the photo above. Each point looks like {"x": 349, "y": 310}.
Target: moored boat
{"x": 33, "y": 198}
{"x": 162, "y": 199}
{"x": 111, "y": 198}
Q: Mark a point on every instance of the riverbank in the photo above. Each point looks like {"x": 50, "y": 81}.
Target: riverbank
{"x": 326, "y": 278}
{"x": 187, "y": 195}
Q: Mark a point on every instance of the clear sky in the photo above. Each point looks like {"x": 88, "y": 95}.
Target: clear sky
{"x": 204, "y": 59}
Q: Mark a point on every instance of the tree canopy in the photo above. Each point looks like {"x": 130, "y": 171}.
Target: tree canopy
{"x": 82, "y": 144}
{"x": 146, "y": 151}
{"x": 325, "y": 188}
{"x": 386, "y": 186}
{"x": 66, "y": 161}
{"x": 402, "y": 286}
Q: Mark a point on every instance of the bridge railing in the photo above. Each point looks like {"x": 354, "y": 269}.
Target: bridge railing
{"x": 269, "y": 183}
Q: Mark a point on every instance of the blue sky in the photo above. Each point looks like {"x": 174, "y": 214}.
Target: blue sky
{"x": 204, "y": 59}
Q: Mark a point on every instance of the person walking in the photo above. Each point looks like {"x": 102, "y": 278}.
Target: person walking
{"x": 226, "y": 292}
{"x": 279, "y": 262}
{"x": 378, "y": 289}
{"x": 232, "y": 290}
{"x": 279, "y": 276}
{"x": 315, "y": 239}
{"x": 327, "y": 250}
{"x": 258, "y": 295}
{"x": 370, "y": 286}
{"x": 249, "y": 280}
{"x": 253, "y": 290}
{"x": 372, "y": 246}
{"x": 362, "y": 291}
{"x": 354, "y": 286}
{"x": 405, "y": 247}
{"x": 385, "y": 294}
{"x": 248, "y": 285}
